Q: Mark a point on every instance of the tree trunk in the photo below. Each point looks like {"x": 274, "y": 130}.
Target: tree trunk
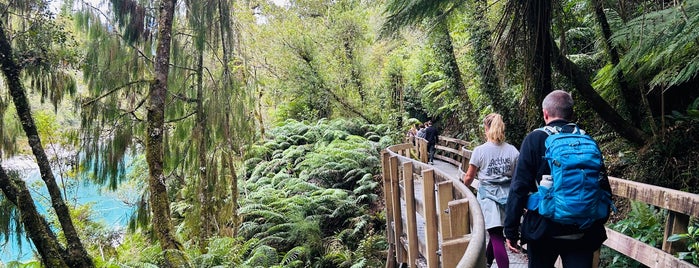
{"x": 355, "y": 69}
{"x": 204, "y": 192}
{"x": 37, "y": 228}
{"x": 77, "y": 255}
{"x": 632, "y": 96}
{"x": 397, "y": 95}
{"x": 538, "y": 25}
{"x": 443, "y": 47}
{"x": 487, "y": 72}
{"x": 228, "y": 36}
{"x": 159, "y": 202}
{"x": 599, "y": 105}
{"x": 235, "y": 220}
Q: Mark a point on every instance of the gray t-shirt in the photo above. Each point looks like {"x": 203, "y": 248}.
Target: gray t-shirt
{"x": 496, "y": 164}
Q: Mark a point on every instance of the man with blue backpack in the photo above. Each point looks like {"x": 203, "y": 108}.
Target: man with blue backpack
{"x": 564, "y": 214}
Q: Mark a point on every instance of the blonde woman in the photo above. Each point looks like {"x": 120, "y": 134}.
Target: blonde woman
{"x": 493, "y": 162}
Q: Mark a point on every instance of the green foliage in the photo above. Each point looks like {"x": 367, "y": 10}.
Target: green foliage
{"x": 672, "y": 159}
{"x": 224, "y": 252}
{"x": 643, "y": 223}
{"x": 262, "y": 256}
{"x": 661, "y": 45}
{"x": 28, "y": 264}
{"x": 10, "y": 216}
{"x": 46, "y": 124}
{"x": 403, "y": 13}
{"x": 691, "y": 116}
{"x": 321, "y": 186}
{"x": 137, "y": 250}
{"x": 691, "y": 238}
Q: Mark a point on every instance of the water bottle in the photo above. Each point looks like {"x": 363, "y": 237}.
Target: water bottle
{"x": 546, "y": 181}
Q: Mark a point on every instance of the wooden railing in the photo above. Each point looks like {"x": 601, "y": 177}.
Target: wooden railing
{"x": 448, "y": 149}
{"x": 444, "y": 224}
{"x": 680, "y": 205}
{"x": 454, "y": 230}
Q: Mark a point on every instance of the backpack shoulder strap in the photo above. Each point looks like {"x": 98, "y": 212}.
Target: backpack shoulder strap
{"x": 550, "y": 130}
{"x": 576, "y": 129}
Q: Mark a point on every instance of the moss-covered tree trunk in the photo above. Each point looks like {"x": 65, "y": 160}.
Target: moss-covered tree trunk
{"x": 159, "y": 202}
{"x": 488, "y": 74}
{"x": 538, "y": 70}
{"x": 206, "y": 219}
{"x": 444, "y": 49}
{"x": 51, "y": 252}
{"x": 76, "y": 254}
{"x": 229, "y": 44}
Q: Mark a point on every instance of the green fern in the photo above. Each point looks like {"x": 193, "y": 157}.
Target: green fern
{"x": 262, "y": 256}
{"x": 661, "y": 45}
{"x": 643, "y": 223}
{"x": 308, "y": 193}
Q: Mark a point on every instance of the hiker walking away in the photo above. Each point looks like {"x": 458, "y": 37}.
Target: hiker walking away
{"x": 421, "y": 131}
{"x": 562, "y": 231}
{"x": 494, "y": 162}
{"x": 431, "y": 137}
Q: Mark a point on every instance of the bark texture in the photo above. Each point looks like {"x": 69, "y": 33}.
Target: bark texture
{"x": 77, "y": 256}
{"x": 159, "y": 202}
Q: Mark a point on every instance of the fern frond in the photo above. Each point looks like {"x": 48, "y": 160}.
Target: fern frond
{"x": 662, "y": 47}
{"x": 262, "y": 256}
{"x": 294, "y": 254}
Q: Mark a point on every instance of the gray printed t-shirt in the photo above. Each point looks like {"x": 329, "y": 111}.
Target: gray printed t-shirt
{"x": 496, "y": 164}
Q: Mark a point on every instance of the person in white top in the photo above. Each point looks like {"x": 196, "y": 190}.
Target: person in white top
{"x": 493, "y": 162}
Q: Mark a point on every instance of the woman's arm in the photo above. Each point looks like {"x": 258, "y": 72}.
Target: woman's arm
{"x": 470, "y": 174}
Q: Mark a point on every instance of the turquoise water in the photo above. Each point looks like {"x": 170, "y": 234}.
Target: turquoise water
{"x": 108, "y": 208}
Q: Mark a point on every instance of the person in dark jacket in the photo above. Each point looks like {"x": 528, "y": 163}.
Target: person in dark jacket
{"x": 547, "y": 240}
{"x": 431, "y": 137}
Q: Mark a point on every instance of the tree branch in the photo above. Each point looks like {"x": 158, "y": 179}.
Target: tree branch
{"x": 181, "y": 118}
{"x": 114, "y": 90}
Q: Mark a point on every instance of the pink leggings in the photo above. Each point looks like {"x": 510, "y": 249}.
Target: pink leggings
{"x": 496, "y": 248}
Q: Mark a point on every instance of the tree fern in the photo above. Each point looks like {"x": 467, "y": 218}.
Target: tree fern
{"x": 661, "y": 45}
{"x": 304, "y": 193}
{"x": 262, "y": 256}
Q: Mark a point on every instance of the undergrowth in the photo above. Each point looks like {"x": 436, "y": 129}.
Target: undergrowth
{"x": 311, "y": 196}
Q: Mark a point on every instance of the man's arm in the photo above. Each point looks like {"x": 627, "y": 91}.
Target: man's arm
{"x": 523, "y": 183}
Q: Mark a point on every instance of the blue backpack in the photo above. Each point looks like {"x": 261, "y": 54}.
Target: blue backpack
{"x": 576, "y": 164}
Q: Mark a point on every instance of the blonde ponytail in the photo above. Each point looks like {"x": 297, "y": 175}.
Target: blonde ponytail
{"x": 496, "y": 128}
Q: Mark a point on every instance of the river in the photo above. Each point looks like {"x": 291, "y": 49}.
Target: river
{"x": 108, "y": 207}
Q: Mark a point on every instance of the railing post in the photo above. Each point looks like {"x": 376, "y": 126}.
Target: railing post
{"x": 453, "y": 250}
{"x": 397, "y": 213}
{"x": 388, "y": 198}
{"x": 461, "y": 221}
{"x": 410, "y": 214}
{"x": 430, "y": 218}
{"x": 444, "y": 189}
{"x": 676, "y": 223}
{"x": 423, "y": 150}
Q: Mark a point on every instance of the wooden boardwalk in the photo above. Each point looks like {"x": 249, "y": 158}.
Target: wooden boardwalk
{"x": 516, "y": 260}
{"x": 462, "y": 224}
